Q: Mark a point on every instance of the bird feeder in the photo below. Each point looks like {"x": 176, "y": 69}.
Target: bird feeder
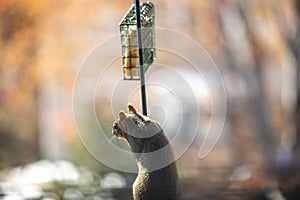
{"x": 129, "y": 40}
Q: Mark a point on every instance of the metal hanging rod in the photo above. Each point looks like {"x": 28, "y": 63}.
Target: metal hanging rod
{"x": 141, "y": 56}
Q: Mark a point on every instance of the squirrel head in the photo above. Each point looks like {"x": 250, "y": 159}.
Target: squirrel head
{"x": 133, "y": 124}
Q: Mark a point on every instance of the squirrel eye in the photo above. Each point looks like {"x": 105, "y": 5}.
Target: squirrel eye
{"x": 135, "y": 121}
{"x": 115, "y": 127}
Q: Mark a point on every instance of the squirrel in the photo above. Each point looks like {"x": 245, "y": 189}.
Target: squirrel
{"x": 144, "y": 137}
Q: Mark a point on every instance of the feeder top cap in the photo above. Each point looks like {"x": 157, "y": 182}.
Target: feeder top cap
{"x": 129, "y": 17}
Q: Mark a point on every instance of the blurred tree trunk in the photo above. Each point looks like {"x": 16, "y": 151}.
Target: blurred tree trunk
{"x": 18, "y": 83}
{"x": 295, "y": 46}
{"x": 260, "y": 111}
{"x": 234, "y": 108}
{"x": 291, "y": 33}
{"x": 293, "y": 42}
{"x": 255, "y": 105}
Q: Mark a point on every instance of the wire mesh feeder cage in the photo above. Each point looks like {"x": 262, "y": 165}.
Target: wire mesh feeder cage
{"x": 129, "y": 40}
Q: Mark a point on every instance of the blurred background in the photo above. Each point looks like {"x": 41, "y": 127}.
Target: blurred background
{"x": 256, "y": 45}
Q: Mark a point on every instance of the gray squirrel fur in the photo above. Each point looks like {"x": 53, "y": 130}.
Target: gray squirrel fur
{"x": 145, "y": 135}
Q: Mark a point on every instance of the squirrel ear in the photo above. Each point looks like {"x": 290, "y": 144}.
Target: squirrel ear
{"x": 131, "y": 108}
{"x": 122, "y": 115}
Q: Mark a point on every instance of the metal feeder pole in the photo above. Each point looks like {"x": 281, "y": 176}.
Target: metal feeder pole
{"x": 141, "y": 56}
